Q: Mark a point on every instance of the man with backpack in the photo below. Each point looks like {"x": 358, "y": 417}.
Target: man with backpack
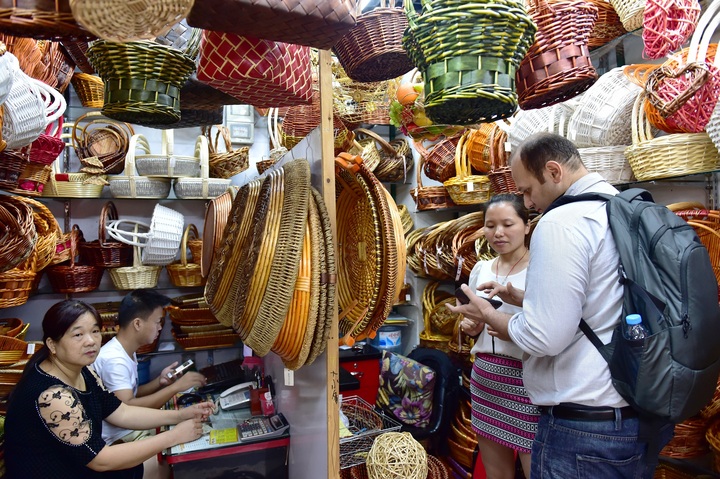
{"x": 587, "y": 428}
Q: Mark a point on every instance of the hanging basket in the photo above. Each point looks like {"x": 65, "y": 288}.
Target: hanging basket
{"x": 469, "y": 72}
{"x": 439, "y": 159}
{"x": 142, "y": 80}
{"x": 667, "y": 25}
{"x": 372, "y": 50}
{"x": 42, "y": 20}
{"x": 90, "y": 89}
{"x": 608, "y": 25}
{"x": 102, "y": 252}
{"x": 557, "y": 67}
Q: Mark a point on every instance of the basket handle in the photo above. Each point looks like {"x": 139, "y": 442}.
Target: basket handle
{"x": 137, "y": 258}
{"x": 108, "y": 213}
{"x": 378, "y": 139}
{"x": 641, "y": 129}
{"x": 191, "y": 228}
{"x": 708, "y": 32}
{"x": 700, "y": 39}
{"x": 460, "y": 150}
{"x": 168, "y": 142}
{"x": 202, "y": 151}
{"x": 55, "y": 104}
{"x": 115, "y": 232}
{"x": 136, "y": 141}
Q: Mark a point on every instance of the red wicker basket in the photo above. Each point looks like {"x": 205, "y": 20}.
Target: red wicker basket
{"x": 74, "y": 278}
{"x": 103, "y": 253}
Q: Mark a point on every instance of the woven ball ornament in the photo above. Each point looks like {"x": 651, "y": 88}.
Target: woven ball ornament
{"x": 396, "y": 455}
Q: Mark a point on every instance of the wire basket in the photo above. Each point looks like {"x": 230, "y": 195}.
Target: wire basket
{"x": 365, "y": 423}
{"x": 167, "y": 164}
{"x": 160, "y": 239}
{"x": 132, "y": 185}
{"x": 203, "y": 187}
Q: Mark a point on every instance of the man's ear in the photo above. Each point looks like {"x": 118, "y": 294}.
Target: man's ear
{"x": 137, "y": 323}
{"x": 554, "y": 170}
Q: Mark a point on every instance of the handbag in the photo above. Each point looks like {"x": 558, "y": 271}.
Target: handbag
{"x": 262, "y": 73}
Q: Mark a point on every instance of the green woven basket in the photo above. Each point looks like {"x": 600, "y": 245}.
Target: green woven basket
{"x": 142, "y": 80}
{"x": 468, "y": 53}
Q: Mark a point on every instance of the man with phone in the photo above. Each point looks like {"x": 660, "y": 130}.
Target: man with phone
{"x": 140, "y": 320}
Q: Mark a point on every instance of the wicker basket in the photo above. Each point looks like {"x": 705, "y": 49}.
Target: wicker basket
{"x": 439, "y": 159}
{"x": 72, "y": 185}
{"x": 115, "y": 21}
{"x": 631, "y": 12}
{"x": 19, "y": 233}
{"x": 11, "y": 326}
{"x": 15, "y": 287}
{"x": 666, "y": 156}
{"x": 12, "y": 165}
{"x": 160, "y": 239}
{"x": 48, "y": 235}
{"x": 216, "y": 216}
{"x": 465, "y": 188}
{"x": 135, "y": 276}
{"x": 431, "y": 299}
{"x": 142, "y": 80}
{"x": 167, "y": 164}
{"x": 49, "y": 145}
{"x": 373, "y": 51}
{"x": 90, "y": 89}
{"x": 74, "y": 278}
{"x": 608, "y": 161}
{"x": 395, "y": 158}
{"x": 132, "y": 185}
{"x": 608, "y": 25}
{"x": 101, "y": 137}
{"x": 203, "y": 187}
{"x": 688, "y": 440}
{"x": 42, "y": 20}
{"x": 228, "y": 163}
{"x": 104, "y": 253}
{"x": 429, "y": 197}
{"x": 184, "y": 274}
{"x": 500, "y": 174}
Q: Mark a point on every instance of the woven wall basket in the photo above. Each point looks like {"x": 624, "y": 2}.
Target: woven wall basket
{"x": 314, "y": 23}
{"x": 557, "y": 67}
{"x": 469, "y": 74}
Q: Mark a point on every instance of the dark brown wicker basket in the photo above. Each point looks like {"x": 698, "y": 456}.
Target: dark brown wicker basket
{"x": 74, "y": 278}
{"x": 102, "y": 253}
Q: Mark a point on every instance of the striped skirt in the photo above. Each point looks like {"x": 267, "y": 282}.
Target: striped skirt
{"x": 502, "y": 411}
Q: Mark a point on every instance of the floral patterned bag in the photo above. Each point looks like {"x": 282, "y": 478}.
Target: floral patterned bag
{"x": 406, "y": 389}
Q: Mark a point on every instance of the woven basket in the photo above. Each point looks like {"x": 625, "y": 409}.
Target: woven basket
{"x": 667, "y": 25}
{"x": 666, "y": 156}
{"x": 20, "y": 236}
{"x": 372, "y": 50}
{"x": 48, "y": 234}
{"x": 10, "y": 326}
{"x": 631, "y": 13}
{"x": 71, "y": 185}
{"x": 90, "y": 89}
{"x": 608, "y": 25}
{"x": 160, "y": 240}
{"x": 394, "y": 158}
{"x": 439, "y": 159}
{"x": 609, "y": 162}
{"x": 361, "y": 102}
{"x": 114, "y": 21}
{"x": 466, "y": 188}
{"x": 132, "y": 185}
{"x": 77, "y": 50}
{"x": 183, "y": 38}
{"x": 49, "y": 145}
{"x": 15, "y": 287}
{"x": 366, "y": 149}
{"x": 135, "y": 276}
{"x": 688, "y": 440}
{"x": 603, "y": 114}
{"x": 41, "y": 20}
{"x": 216, "y": 216}
{"x": 203, "y": 187}
{"x": 184, "y": 274}
{"x": 300, "y": 120}
{"x": 469, "y": 74}
{"x": 104, "y": 253}
{"x": 142, "y": 80}
{"x": 12, "y": 165}
{"x": 228, "y": 163}
{"x": 74, "y": 278}
{"x": 557, "y": 67}
{"x": 428, "y": 337}
{"x": 168, "y": 164}
{"x": 104, "y": 138}
{"x": 429, "y": 197}
{"x": 262, "y": 73}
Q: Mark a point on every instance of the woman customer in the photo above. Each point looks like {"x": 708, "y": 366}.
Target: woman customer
{"x": 54, "y": 419}
{"x": 503, "y": 417}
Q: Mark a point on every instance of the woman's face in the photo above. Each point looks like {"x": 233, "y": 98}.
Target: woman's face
{"x": 504, "y": 229}
{"x": 80, "y": 344}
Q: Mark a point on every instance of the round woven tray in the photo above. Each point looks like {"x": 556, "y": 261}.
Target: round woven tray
{"x": 216, "y": 215}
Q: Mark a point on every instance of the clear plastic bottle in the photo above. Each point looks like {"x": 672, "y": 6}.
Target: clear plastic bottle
{"x": 634, "y": 329}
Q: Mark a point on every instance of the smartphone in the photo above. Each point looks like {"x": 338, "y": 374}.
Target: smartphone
{"x": 180, "y": 369}
{"x": 462, "y": 297}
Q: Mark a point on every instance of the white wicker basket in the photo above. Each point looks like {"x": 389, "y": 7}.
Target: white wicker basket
{"x": 204, "y": 187}
{"x": 130, "y": 184}
{"x": 529, "y": 122}
{"x": 602, "y": 116}
{"x": 609, "y": 161}
{"x": 167, "y": 164}
{"x": 8, "y": 65}
{"x": 160, "y": 240}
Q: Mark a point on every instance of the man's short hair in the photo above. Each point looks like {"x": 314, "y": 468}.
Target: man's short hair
{"x": 538, "y": 149}
{"x": 140, "y": 303}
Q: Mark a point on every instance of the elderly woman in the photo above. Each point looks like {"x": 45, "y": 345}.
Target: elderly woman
{"x": 54, "y": 420}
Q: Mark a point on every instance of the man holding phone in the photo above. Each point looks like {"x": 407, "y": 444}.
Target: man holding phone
{"x": 140, "y": 320}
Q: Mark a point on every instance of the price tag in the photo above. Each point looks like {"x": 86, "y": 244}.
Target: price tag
{"x": 30, "y": 349}
{"x": 470, "y": 186}
{"x": 508, "y": 146}
{"x": 459, "y": 268}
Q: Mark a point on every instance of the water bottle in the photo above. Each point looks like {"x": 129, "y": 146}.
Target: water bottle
{"x": 634, "y": 329}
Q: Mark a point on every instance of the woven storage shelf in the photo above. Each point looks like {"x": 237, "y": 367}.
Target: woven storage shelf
{"x": 132, "y": 185}
{"x": 262, "y": 73}
{"x": 228, "y": 163}
{"x": 167, "y": 164}
{"x": 366, "y": 424}
{"x": 465, "y": 188}
{"x": 372, "y": 50}
{"x": 74, "y": 278}
{"x": 160, "y": 240}
{"x": 469, "y": 74}
{"x": 557, "y": 66}
{"x": 142, "y": 80}
{"x": 186, "y": 274}
{"x": 102, "y": 137}
{"x": 203, "y": 187}
{"x": 666, "y": 156}
{"x": 115, "y": 21}
{"x": 103, "y": 252}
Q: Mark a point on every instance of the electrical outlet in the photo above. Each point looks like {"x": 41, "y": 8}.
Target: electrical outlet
{"x": 289, "y": 377}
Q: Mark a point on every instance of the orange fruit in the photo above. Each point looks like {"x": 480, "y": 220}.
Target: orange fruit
{"x": 406, "y": 94}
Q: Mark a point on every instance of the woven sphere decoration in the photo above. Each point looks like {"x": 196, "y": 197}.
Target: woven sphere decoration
{"x": 396, "y": 455}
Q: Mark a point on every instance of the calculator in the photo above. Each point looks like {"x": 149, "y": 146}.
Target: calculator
{"x": 262, "y": 428}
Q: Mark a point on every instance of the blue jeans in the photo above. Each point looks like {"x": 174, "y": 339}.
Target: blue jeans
{"x": 571, "y": 449}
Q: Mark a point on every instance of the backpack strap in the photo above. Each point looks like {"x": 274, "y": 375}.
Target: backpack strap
{"x": 585, "y": 328}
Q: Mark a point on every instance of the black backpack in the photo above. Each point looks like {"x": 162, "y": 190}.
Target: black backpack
{"x": 669, "y": 280}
